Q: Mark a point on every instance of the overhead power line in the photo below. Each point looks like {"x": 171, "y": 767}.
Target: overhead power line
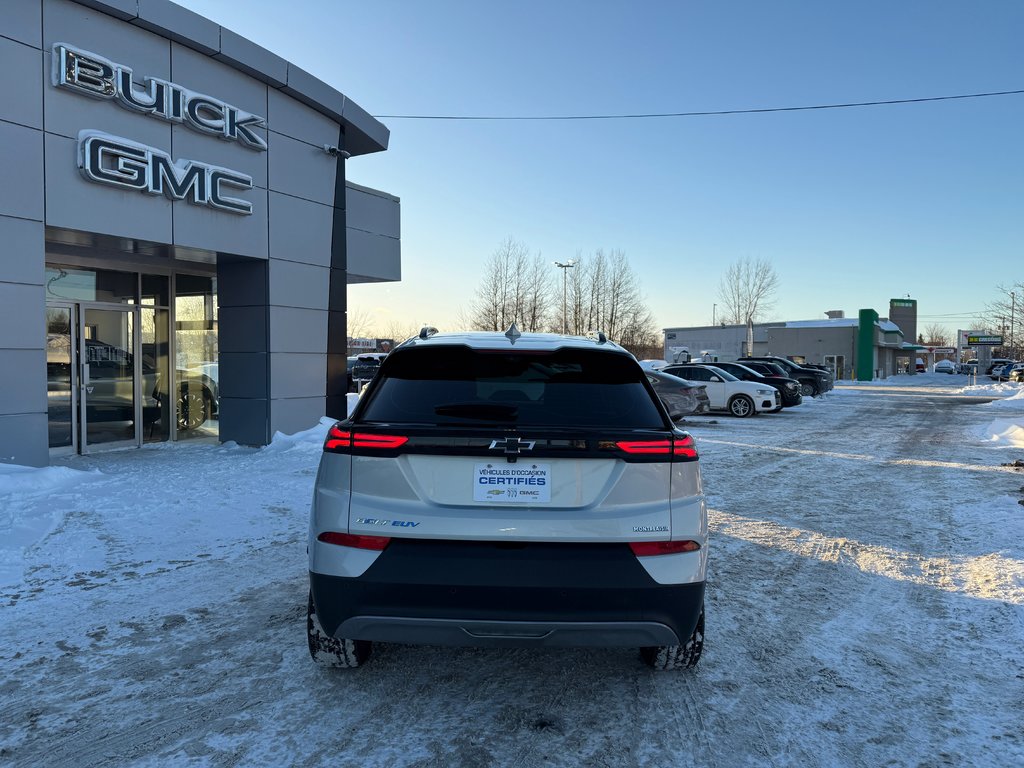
{"x": 641, "y": 116}
{"x": 955, "y": 315}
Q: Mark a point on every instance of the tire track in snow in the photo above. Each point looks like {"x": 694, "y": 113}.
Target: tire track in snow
{"x": 990, "y": 577}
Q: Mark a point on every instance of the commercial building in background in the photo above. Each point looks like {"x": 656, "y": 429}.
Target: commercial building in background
{"x": 862, "y": 347}
{"x": 177, "y": 231}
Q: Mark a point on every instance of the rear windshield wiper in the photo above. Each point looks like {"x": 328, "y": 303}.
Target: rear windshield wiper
{"x": 487, "y": 411}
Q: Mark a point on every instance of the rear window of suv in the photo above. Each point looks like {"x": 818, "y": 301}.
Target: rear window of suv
{"x": 561, "y": 388}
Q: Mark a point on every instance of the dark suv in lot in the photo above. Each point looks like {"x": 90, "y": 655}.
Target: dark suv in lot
{"x": 813, "y": 382}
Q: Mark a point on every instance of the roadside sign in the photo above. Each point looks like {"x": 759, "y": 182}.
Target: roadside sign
{"x": 984, "y": 341}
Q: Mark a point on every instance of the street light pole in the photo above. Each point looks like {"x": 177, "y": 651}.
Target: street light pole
{"x": 714, "y": 308}
{"x": 564, "y": 266}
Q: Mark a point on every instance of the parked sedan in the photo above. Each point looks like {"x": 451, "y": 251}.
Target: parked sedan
{"x": 727, "y": 393}
{"x": 945, "y": 366}
{"x": 789, "y": 389}
{"x": 682, "y": 397}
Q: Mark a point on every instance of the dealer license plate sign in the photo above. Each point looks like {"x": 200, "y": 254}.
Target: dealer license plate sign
{"x": 519, "y": 483}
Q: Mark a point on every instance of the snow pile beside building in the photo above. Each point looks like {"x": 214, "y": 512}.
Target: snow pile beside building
{"x": 312, "y": 438}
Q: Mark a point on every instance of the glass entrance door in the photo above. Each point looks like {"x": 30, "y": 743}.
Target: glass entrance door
{"x": 109, "y": 379}
{"x": 61, "y": 344}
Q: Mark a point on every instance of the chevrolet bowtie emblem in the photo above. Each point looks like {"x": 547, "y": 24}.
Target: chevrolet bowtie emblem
{"x": 512, "y": 446}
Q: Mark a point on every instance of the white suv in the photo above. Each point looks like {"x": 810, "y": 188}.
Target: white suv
{"x": 508, "y": 490}
{"x": 728, "y": 393}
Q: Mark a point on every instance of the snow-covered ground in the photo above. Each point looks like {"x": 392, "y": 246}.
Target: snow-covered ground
{"x": 865, "y": 608}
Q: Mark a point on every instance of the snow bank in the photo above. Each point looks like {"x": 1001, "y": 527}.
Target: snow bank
{"x": 24, "y": 521}
{"x": 1014, "y": 402}
{"x": 308, "y": 438}
{"x": 1003, "y": 433}
{"x": 16, "y": 479}
{"x": 313, "y": 437}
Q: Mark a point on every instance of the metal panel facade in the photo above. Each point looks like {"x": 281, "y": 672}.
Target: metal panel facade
{"x": 177, "y": 184}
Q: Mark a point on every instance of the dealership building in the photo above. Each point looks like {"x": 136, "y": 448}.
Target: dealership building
{"x": 863, "y": 347}
{"x": 176, "y": 231}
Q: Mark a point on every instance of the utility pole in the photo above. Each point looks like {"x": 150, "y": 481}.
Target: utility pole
{"x": 564, "y": 266}
{"x": 1013, "y": 311}
{"x": 714, "y": 308}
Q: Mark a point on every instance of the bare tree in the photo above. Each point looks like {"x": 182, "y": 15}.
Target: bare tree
{"x": 1006, "y": 316}
{"x": 516, "y": 287}
{"x": 397, "y": 330}
{"x": 605, "y": 295}
{"x": 747, "y": 291}
{"x": 358, "y": 323}
{"x": 936, "y": 335}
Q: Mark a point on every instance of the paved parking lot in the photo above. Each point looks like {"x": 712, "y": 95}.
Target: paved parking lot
{"x": 866, "y": 607}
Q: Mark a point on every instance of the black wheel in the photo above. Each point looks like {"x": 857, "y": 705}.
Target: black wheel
{"x": 685, "y": 656}
{"x": 741, "y": 406}
{"x": 807, "y": 390}
{"x": 193, "y": 407}
{"x": 333, "y": 652}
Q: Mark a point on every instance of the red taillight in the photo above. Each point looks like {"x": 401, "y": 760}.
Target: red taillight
{"x": 339, "y": 439}
{"x": 645, "y": 446}
{"x": 358, "y": 542}
{"x": 384, "y": 442}
{"x": 649, "y": 548}
{"x": 685, "y": 446}
{"x": 681, "y": 446}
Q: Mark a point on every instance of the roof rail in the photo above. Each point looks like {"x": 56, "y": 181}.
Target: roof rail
{"x": 427, "y": 331}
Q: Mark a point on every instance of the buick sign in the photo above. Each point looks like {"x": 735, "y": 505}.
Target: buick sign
{"x": 92, "y": 75}
{"x": 128, "y": 165}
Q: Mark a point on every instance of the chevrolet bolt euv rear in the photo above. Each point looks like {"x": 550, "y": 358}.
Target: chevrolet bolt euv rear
{"x": 508, "y": 490}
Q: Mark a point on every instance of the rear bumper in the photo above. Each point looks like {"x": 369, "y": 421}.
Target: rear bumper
{"x": 491, "y": 594}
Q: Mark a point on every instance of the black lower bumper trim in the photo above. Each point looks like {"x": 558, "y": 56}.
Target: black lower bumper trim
{"x": 486, "y": 593}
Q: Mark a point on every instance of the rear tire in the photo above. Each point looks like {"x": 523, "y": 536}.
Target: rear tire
{"x": 333, "y": 652}
{"x": 685, "y": 656}
{"x": 741, "y": 406}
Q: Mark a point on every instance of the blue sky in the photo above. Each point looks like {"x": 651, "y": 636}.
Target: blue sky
{"x": 852, "y": 206}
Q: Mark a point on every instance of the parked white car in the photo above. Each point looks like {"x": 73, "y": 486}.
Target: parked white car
{"x": 945, "y": 366}
{"x": 726, "y": 392}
